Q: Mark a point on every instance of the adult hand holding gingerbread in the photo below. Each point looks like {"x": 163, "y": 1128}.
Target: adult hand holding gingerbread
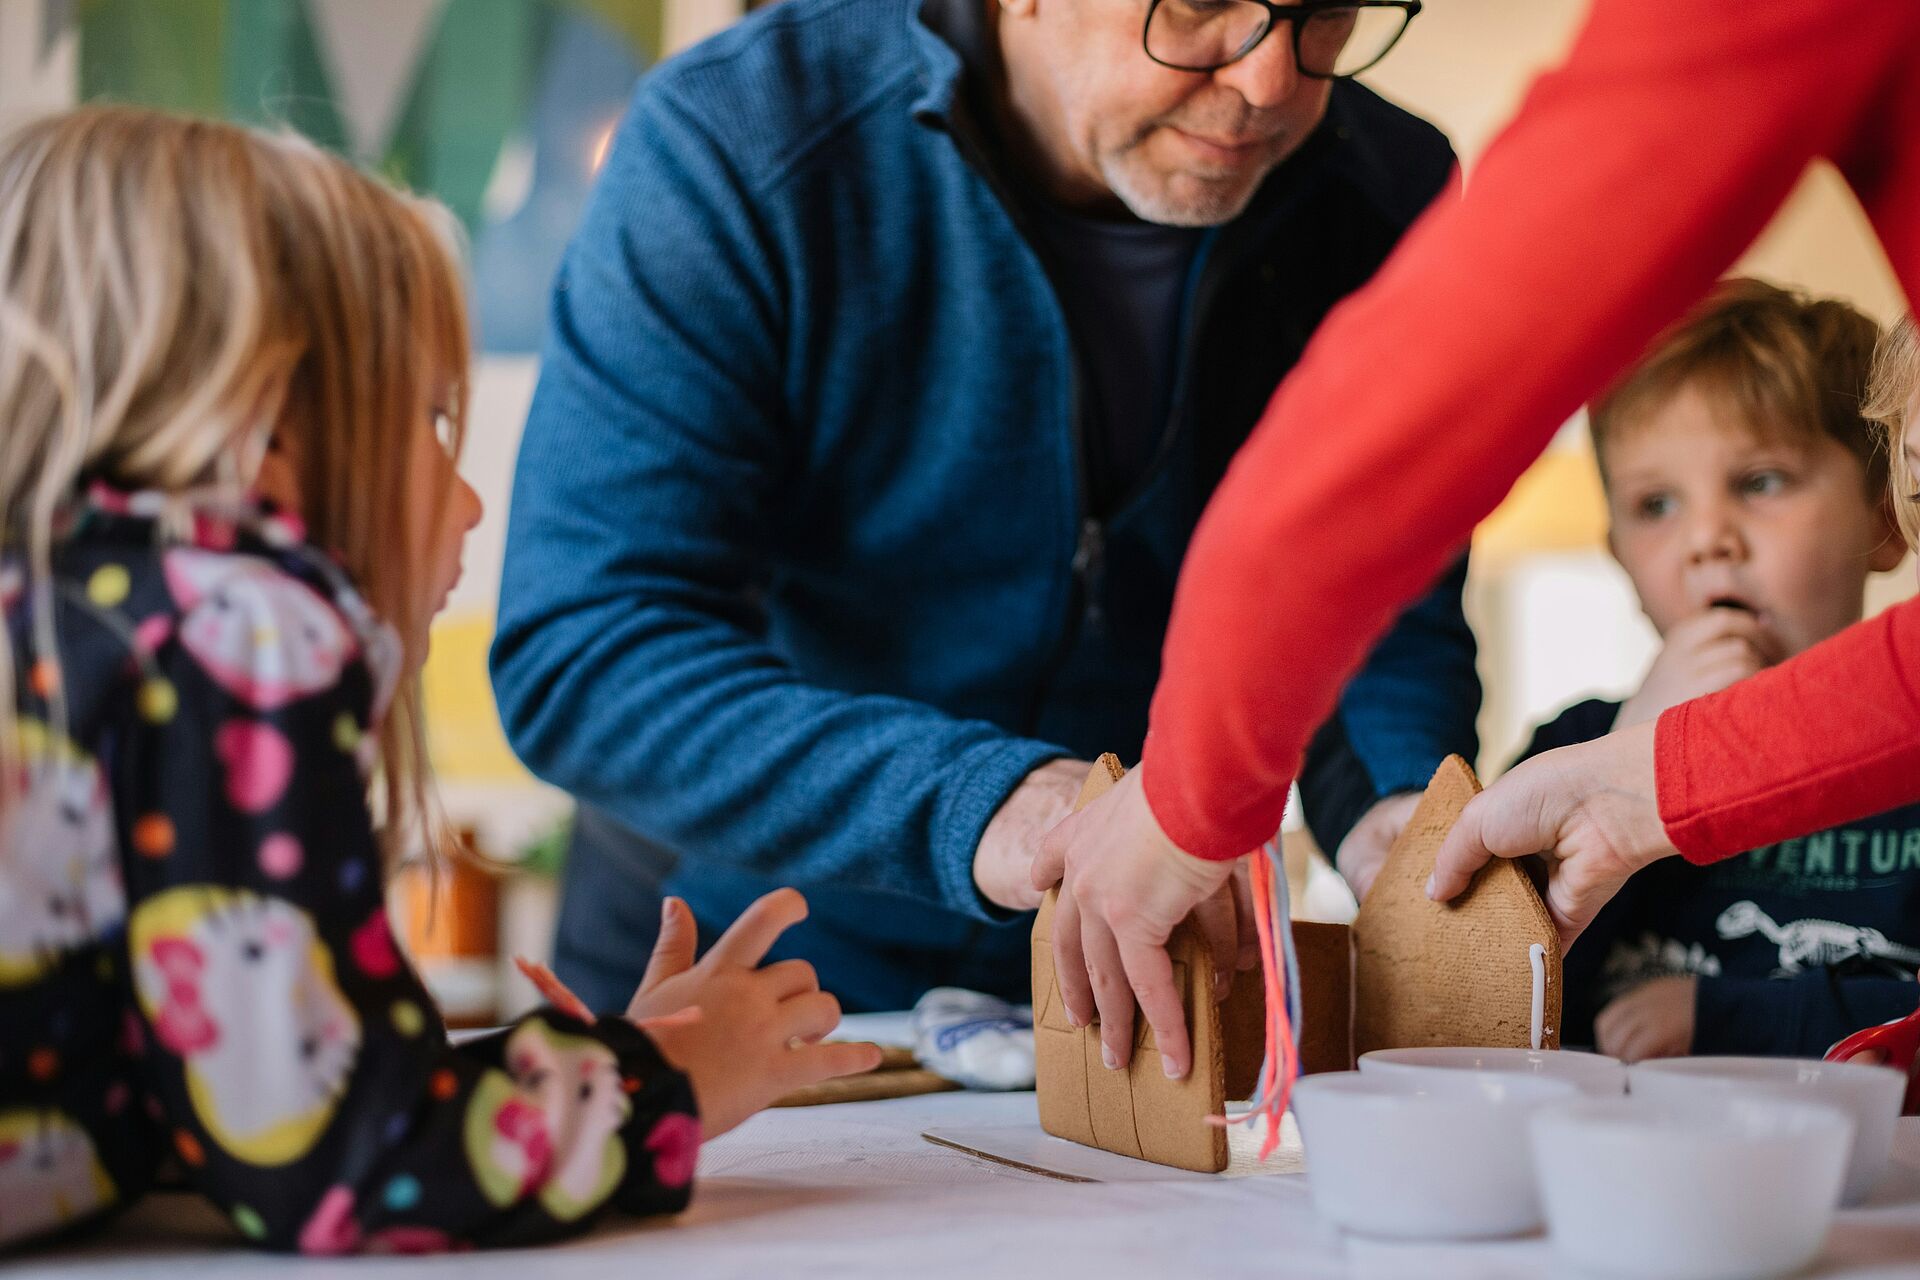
{"x": 1590, "y": 808}
{"x": 1124, "y": 886}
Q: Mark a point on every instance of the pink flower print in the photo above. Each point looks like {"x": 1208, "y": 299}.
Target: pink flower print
{"x": 259, "y": 763}
{"x": 331, "y": 1230}
{"x": 281, "y": 856}
{"x": 182, "y": 1024}
{"x": 214, "y": 532}
{"x": 524, "y": 1125}
{"x": 149, "y": 635}
{"x": 109, "y": 499}
{"x": 282, "y": 529}
{"x": 675, "y": 1144}
{"x": 372, "y": 946}
{"x": 410, "y": 1239}
{"x": 133, "y": 1041}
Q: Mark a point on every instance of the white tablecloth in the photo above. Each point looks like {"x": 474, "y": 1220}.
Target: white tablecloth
{"x": 853, "y": 1190}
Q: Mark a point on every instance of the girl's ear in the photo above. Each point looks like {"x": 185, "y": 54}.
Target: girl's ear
{"x": 277, "y": 480}
{"x": 1892, "y": 548}
{"x": 279, "y": 474}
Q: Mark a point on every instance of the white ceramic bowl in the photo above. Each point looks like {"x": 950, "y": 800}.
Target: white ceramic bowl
{"x": 1439, "y": 1155}
{"x": 1722, "y": 1187}
{"x": 1591, "y": 1073}
{"x": 1871, "y": 1095}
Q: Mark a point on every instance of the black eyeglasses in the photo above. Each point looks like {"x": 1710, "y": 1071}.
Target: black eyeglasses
{"x": 1331, "y": 41}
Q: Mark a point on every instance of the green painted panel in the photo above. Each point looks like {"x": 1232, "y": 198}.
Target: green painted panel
{"x": 160, "y": 53}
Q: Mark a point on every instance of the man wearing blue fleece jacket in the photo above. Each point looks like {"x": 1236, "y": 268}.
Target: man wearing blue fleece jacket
{"x": 900, "y": 348}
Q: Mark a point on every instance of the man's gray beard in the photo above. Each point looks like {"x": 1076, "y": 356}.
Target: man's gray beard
{"x": 1152, "y": 201}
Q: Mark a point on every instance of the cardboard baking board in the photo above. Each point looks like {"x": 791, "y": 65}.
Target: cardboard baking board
{"x": 1456, "y": 973}
{"x": 1028, "y": 1148}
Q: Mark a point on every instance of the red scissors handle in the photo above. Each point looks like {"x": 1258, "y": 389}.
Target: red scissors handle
{"x": 1898, "y": 1042}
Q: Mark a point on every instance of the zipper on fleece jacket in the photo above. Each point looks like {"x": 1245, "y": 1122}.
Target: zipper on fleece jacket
{"x": 1085, "y": 611}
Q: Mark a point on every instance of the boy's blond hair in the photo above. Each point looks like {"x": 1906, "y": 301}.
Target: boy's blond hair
{"x": 172, "y": 291}
{"x": 1891, "y": 392}
{"x": 1784, "y": 365}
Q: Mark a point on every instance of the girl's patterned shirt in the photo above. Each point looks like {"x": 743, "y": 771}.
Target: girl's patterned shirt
{"x": 196, "y": 969}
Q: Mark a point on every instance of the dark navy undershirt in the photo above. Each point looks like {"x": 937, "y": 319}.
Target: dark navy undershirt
{"x": 1121, "y": 285}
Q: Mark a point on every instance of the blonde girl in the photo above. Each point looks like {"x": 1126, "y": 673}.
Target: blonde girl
{"x": 1893, "y": 402}
{"x": 233, "y": 377}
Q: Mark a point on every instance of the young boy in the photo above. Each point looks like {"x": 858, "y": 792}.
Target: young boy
{"x": 1748, "y": 503}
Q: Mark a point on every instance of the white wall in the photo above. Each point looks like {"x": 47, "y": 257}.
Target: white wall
{"x": 37, "y": 74}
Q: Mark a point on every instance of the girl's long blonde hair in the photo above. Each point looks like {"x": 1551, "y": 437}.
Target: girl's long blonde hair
{"x": 175, "y": 291}
{"x": 1892, "y": 391}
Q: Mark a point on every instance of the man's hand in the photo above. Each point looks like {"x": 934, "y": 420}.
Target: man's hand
{"x": 1123, "y": 888}
{"x": 1590, "y": 808}
{"x": 1003, "y": 863}
{"x": 1654, "y": 1020}
{"x": 1701, "y": 655}
{"x": 1364, "y": 851}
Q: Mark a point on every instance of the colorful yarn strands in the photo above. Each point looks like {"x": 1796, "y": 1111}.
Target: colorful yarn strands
{"x": 1279, "y": 970}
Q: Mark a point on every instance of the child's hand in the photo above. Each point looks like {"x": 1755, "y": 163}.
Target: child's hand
{"x": 1654, "y": 1020}
{"x": 744, "y": 1035}
{"x": 1702, "y": 655}
{"x": 674, "y": 982}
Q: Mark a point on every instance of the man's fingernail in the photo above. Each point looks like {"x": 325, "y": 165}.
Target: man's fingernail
{"x": 1432, "y": 883}
{"x": 1073, "y": 1019}
{"x": 1107, "y": 1056}
{"x": 1166, "y": 1065}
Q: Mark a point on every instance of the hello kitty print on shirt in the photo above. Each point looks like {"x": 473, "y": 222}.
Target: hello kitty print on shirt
{"x": 195, "y": 961}
{"x": 265, "y": 637}
{"x": 554, "y": 1084}
{"x": 240, "y": 987}
{"x": 50, "y": 1174}
{"x": 60, "y": 883}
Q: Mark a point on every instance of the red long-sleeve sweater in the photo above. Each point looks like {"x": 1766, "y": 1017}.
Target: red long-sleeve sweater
{"x": 1630, "y": 179}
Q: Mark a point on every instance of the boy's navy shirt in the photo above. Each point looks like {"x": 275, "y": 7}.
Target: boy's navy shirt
{"x": 809, "y": 561}
{"x": 1796, "y": 945}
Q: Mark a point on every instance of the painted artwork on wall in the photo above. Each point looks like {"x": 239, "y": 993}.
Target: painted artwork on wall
{"x": 500, "y": 108}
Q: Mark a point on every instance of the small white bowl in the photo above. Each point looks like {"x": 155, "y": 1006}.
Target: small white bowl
{"x": 1719, "y": 1188}
{"x": 1591, "y": 1073}
{"x": 1871, "y": 1095}
{"x": 1437, "y": 1156}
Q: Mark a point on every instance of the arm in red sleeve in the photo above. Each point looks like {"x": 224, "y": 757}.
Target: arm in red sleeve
{"x": 1831, "y": 737}
{"x": 1632, "y": 176}
{"x": 1834, "y": 735}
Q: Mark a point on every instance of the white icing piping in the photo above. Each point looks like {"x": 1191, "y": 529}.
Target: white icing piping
{"x": 1537, "y": 956}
